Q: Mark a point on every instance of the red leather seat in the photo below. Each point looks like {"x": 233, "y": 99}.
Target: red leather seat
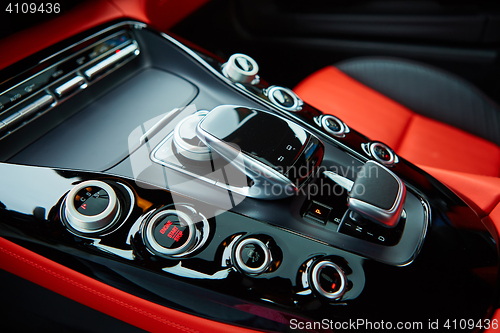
{"x": 428, "y": 116}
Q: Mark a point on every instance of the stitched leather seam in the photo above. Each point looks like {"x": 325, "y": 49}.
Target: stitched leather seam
{"x": 404, "y": 133}
{"x": 98, "y": 293}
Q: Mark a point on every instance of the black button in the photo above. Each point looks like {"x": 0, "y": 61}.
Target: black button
{"x": 283, "y": 98}
{"x": 253, "y": 255}
{"x": 171, "y": 232}
{"x": 318, "y": 211}
{"x": 330, "y": 280}
{"x": 91, "y": 201}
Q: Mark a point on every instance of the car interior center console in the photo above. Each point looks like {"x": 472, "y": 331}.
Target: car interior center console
{"x": 195, "y": 184}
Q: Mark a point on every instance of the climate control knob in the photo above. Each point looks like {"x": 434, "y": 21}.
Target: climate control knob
{"x": 175, "y": 232}
{"x": 252, "y": 256}
{"x": 91, "y": 207}
{"x": 328, "y": 280}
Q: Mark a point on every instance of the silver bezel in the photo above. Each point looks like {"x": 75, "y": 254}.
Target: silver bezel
{"x": 267, "y": 256}
{"x": 393, "y": 160}
{"x": 315, "y": 280}
{"x": 297, "y": 102}
{"x": 343, "y": 127}
{"x": 235, "y": 74}
{"x": 95, "y": 223}
{"x": 156, "y": 247}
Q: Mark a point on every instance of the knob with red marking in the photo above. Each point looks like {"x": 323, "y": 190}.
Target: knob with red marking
{"x": 91, "y": 207}
{"x": 328, "y": 280}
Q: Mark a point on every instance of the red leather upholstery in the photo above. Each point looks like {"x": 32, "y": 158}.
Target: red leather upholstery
{"x": 483, "y": 191}
{"x": 131, "y": 309}
{"x": 419, "y": 139}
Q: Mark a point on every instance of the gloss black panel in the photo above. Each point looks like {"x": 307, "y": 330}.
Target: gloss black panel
{"x": 122, "y": 248}
{"x": 207, "y": 284}
{"x": 97, "y": 137}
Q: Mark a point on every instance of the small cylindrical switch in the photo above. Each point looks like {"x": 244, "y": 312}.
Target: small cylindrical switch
{"x": 241, "y": 68}
{"x": 252, "y": 256}
{"x": 91, "y": 206}
{"x": 328, "y": 280}
{"x": 378, "y": 195}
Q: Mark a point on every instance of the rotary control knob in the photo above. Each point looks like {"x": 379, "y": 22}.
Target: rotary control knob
{"x": 187, "y": 142}
{"x": 91, "y": 207}
{"x": 334, "y": 126}
{"x": 284, "y": 98}
{"x": 241, "y": 68}
{"x": 382, "y": 153}
{"x": 252, "y": 256}
{"x": 328, "y": 280}
{"x": 175, "y": 232}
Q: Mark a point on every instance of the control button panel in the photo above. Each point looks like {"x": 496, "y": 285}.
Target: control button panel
{"x": 59, "y": 76}
{"x": 330, "y": 210}
{"x": 91, "y": 207}
{"x": 29, "y": 86}
{"x": 70, "y": 86}
{"x": 328, "y": 205}
{"x": 175, "y": 232}
{"x": 111, "y": 61}
{"x": 357, "y": 226}
{"x": 284, "y": 98}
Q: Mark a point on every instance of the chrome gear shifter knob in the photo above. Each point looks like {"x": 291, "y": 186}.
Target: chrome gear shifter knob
{"x": 378, "y": 195}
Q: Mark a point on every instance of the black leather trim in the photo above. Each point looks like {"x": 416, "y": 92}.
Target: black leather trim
{"x": 429, "y": 91}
